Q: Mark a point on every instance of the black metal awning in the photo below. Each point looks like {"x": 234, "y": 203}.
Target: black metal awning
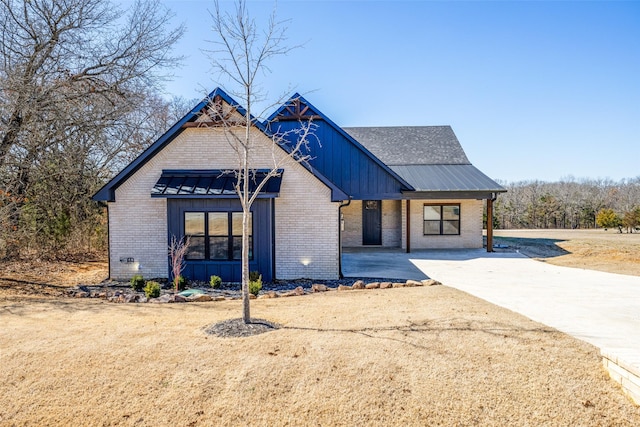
{"x": 213, "y": 183}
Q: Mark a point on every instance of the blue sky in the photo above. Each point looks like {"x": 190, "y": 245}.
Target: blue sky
{"x": 533, "y": 90}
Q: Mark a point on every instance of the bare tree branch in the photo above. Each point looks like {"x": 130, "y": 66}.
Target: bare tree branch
{"x": 241, "y": 53}
{"x": 77, "y": 82}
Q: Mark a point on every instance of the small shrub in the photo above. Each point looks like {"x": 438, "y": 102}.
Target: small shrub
{"x": 152, "y": 289}
{"x": 215, "y": 281}
{"x": 180, "y": 284}
{"x": 254, "y": 276}
{"x": 137, "y": 282}
{"x": 255, "y": 286}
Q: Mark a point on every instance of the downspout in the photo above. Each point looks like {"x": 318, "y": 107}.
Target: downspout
{"x": 273, "y": 239}
{"x": 342, "y": 205}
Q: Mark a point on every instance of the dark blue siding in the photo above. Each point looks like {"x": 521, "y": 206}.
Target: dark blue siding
{"x": 229, "y": 271}
{"x": 347, "y": 165}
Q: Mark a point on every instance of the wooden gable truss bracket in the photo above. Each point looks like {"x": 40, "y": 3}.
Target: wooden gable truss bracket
{"x": 297, "y": 110}
{"x": 217, "y": 116}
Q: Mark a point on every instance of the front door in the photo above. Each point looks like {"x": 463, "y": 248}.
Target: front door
{"x": 371, "y": 222}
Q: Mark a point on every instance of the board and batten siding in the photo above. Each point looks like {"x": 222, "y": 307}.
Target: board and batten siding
{"x": 306, "y": 221}
{"x": 470, "y": 226}
{"x": 347, "y": 165}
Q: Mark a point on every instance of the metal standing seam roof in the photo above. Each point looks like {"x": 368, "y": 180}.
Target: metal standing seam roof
{"x": 430, "y": 158}
{"x": 207, "y": 183}
{"x": 447, "y": 178}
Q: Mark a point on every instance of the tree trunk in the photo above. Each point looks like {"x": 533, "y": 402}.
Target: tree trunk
{"x": 246, "y": 314}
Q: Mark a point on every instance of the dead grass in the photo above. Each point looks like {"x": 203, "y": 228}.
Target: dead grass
{"x": 600, "y": 250}
{"x": 30, "y": 279}
{"x": 409, "y": 356}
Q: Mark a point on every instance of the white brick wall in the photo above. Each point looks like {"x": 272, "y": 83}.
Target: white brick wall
{"x": 391, "y": 223}
{"x": 306, "y": 219}
{"x": 352, "y": 233}
{"x": 470, "y": 222}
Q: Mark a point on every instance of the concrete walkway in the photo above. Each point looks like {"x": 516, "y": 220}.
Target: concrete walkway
{"x": 600, "y": 308}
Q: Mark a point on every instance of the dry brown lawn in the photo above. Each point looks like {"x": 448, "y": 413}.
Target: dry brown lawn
{"x": 601, "y": 250}
{"x": 408, "y": 356}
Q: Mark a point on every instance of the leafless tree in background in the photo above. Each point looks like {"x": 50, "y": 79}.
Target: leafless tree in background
{"x": 568, "y": 203}
{"x": 78, "y": 90}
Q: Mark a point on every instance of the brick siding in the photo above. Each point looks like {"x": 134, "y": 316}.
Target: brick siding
{"x": 306, "y": 219}
{"x": 470, "y": 222}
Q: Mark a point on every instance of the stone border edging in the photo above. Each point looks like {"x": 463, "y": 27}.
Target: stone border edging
{"x": 127, "y": 296}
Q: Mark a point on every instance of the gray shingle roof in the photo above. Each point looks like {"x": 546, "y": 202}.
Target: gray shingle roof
{"x": 411, "y": 145}
{"x": 430, "y": 158}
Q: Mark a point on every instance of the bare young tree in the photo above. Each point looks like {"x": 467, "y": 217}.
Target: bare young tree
{"x": 241, "y": 54}
{"x": 177, "y": 251}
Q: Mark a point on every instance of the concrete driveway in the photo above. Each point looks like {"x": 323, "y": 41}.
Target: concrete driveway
{"x": 600, "y": 308}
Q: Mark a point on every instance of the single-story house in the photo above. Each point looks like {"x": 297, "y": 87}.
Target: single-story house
{"x": 390, "y": 187}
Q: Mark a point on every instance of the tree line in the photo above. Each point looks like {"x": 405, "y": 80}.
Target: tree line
{"x": 79, "y": 99}
{"x": 569, "y": 204}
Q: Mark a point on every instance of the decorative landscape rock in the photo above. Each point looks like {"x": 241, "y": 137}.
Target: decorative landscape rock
{"x": 399, "y": 285}
{"x": 131, "y": 298}
{"x": 119, "y": 292}
{"x": 162, "y": 299}
{"x": 413, "y": 283}
{"x": 199, "y": 298}
{"x": 318, "y": 287}
{"x": 358, "y": 284}
{"x": 270, "y": 294}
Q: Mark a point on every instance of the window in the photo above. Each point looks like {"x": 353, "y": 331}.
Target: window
{"x": 194, "y": 229}
{"x": 216, "y": 235}
{"x": 441, "y": 219}
{"x": 371, "y": 204}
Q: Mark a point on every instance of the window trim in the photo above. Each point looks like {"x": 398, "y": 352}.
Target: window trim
{"x": 441, "y": 221}
{"x": 229, "y": 236}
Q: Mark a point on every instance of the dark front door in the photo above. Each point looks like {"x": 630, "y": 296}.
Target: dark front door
{"x": 371, "y": 222}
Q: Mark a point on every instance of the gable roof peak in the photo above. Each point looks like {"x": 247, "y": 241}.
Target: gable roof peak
{"x": 295, "y": 108}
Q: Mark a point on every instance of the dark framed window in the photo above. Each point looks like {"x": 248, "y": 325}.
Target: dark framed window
{"x": 441, "y": 219}
{"x": 216, "y": 235}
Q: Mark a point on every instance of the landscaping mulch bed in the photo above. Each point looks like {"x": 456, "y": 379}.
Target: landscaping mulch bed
{"x": 238, "y": 328}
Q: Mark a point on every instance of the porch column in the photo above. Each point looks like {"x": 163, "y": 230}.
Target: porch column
{"x": 489, "y": 225}
{"x": 408, "y": 230}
